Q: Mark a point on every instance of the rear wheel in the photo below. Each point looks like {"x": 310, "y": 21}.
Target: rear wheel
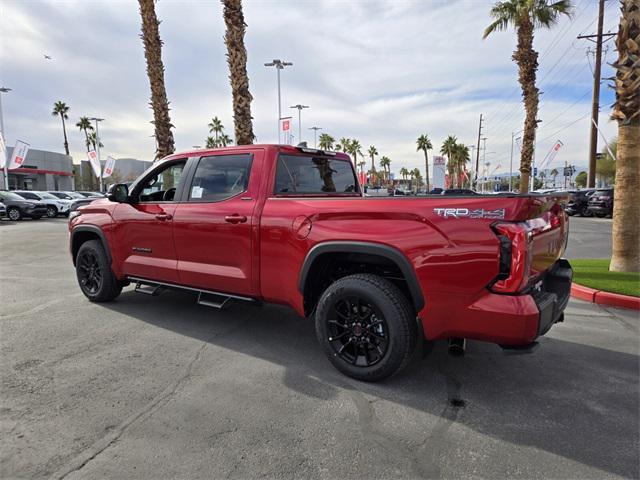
{"x": 366, "y": 327}
{"x": 601, "y": 215}
{"x": 95, "y": 277}
{"x": 52, "y": 212}
{"x": 14, "y": 214}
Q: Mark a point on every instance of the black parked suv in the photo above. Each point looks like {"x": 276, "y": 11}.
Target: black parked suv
{"x": 18, "y": 208}
{"x": 579, "y": 202}
{"x": 601, "y": 202}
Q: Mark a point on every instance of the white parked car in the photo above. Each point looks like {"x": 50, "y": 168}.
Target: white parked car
{"x": 55, "y": 206}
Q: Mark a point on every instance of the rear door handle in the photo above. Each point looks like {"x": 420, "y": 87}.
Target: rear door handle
{"x": 164, "y": 216}
{"x": 235, "y": 218}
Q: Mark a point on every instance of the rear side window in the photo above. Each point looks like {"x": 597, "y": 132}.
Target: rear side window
{"x": 220, "y": 177}
{"x": 29, "y": 196}
{"x": 297, "y": 174}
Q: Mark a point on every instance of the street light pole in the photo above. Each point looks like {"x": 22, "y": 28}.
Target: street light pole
{"x": 315, "y": 135}
{"x": 98, "y": 120}
{"x": 6, "y": 160}
{"x": 513, "y": 135}
{"x": 299, "y": 107}
{"x": 279, "y": 64}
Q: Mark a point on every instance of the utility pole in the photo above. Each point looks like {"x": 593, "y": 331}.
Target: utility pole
{"x": 484, "y": 156}
{"x": 315, "y": 135}
{"x": 4, "y": 139}
{"x": 299, "y": 107}
{"x": 595, "y": 101}
{"x": 475, "y": 181}
{"x": 279, "y": 64}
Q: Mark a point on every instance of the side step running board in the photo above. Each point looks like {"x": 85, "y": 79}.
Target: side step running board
{"x": 207, "y": 298}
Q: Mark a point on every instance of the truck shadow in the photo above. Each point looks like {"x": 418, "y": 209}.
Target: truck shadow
{"x": 570, "y": 399}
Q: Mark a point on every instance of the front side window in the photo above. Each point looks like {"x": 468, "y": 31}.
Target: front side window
{"x": 28, "y": 195}
{"x": 220, "y": 177}
{"x": 161, "y": 185}
{"x": 298, "y": 174}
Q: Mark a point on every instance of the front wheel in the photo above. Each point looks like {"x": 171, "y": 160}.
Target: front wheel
{"x": 366, "y": 327}
{"x": 52, "y": 212}
{"x": 95, "y": 277}
{"x": 14, "y": 214}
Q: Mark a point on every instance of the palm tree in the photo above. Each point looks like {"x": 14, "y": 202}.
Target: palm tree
{"x": 216, "y": 128}
{"x": 461, "y": 156}
{"x": 543, "y": 176}
{"x": 326, "y": 141}
{"x": 61, "y": 108}
{"x": 355, "y": 149}
{"x": 84, "y": 124}
{"x": 385, "y": 163}
{"x": 404, "y": 173}
{"x": 225, "y": 140}
{"x": 423, "y": 143}
{"x": 211, "y": 142}
{"x": 155, "y": 71}
{"x": 554, "y": 174}
{"x": 626, "y": 111}
{"x": 237, "y": 60}
{"x": 372, "y": 153}
{"x": 344, "y": 144}
{"x": 361, "y": 164}
{"x": 418, "y": 177}
{"x": 525, "y": 16}
{"x": 92, "y": 140}
{"x": 448, "y": 149}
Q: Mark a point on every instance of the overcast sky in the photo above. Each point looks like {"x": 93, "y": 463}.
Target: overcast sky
{"x": 381, "y": 72}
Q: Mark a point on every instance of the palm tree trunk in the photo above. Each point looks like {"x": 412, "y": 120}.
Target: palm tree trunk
{"x": 626, "y": 228}
{"x": 64, "y": 132}
{"x": 155, "y": 71}
{"x": 426, "y": 169}
{"x": 237, "y": 60}
{"x": 527, "y": 59}
{"x": 86, "y": 138}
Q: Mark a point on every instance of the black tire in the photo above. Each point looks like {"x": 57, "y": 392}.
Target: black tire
{"x": 601, "y": 215}
{"x": 95, "y": 277}
{"x": 14, "y": 214}
{"x": 52, "y": 212}
{"x": 372, "y": 341}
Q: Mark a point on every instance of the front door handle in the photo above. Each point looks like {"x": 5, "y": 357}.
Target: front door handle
{"x": 235, "y": 218}
{"x": 164, "y": 216}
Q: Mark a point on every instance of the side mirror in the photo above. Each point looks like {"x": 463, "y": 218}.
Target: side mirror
{"x": 118, "y": 193}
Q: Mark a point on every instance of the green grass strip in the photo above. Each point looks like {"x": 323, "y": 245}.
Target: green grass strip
{"x": 595, "y": 273}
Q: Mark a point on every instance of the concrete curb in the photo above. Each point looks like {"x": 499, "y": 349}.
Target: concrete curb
{"x": 604, "y": 298}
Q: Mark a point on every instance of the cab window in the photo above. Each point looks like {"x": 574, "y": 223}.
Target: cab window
{"x": 220, "y": 177}
{"x": 161, "y": 185}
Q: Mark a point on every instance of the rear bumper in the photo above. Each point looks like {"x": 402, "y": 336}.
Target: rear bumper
{"x": 552, "y": 296}
{"x": 508, "y": 320}
{"x": 600, "y": 208}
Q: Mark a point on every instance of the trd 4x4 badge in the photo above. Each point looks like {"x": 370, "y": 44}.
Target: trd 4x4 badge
{"x": 497, "y": 214}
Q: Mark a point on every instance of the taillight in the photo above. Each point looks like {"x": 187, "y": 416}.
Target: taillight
{"x": 515, "y": 257}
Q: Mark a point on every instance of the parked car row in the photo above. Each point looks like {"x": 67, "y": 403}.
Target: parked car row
{"x": 589, "y": 202}
{"x": 19, "y": 204}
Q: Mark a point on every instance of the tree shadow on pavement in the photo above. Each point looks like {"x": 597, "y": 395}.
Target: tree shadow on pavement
{"x": 574, "y": 400}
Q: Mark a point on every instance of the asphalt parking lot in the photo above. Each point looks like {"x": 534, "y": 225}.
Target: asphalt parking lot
{"x": 163, "y": 388}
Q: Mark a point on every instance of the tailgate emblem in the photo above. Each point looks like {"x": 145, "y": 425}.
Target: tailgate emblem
{"x": 466, "y": 213}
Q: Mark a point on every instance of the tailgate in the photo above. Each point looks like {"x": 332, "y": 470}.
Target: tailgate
{"x": 549, "y": 232}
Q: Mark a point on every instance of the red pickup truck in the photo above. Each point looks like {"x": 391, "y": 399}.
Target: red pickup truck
{"x": 291, "y": 225}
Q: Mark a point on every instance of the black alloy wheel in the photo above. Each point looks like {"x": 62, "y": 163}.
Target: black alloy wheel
{"x": 89, "y": 273}
{"x": 14, "y": 214}
{"x": 52, "y": 212}
{"x": 358, "y": 332}
{"x": 366, "y": 326}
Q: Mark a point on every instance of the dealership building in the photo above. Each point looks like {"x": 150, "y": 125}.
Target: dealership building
{"x": 42, "y": 170}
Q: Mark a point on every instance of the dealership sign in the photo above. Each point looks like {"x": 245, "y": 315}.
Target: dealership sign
{"x": 108, "y": 167}
{"x": 285, "y": 130}
{"x": 93, "y": 160}
{"x": 19, "y": 154}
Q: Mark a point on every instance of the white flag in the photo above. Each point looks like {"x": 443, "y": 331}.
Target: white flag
{"x": 108, "y": 167}
{"x": 19, "y": 154}
{"x": 3, "y": 151}
{"x": 93, "y": 160}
